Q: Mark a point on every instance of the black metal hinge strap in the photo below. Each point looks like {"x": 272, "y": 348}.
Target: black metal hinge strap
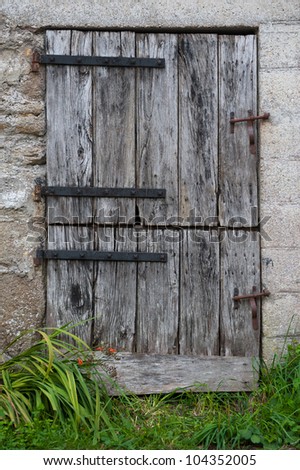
{"x": 53, "y": 59}
{"x": 99, "y": 256}
{"x": 102, "y": 192}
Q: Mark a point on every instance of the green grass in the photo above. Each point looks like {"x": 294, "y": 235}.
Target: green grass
{"x": 47, "y": 401}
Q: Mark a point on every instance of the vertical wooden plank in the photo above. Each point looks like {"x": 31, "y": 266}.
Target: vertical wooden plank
{"x": 199, "y": 293}
{"x": 114, "y": 126}
{"x": 69, "y": 123}
{"x": 69, "y": 163}
{"x": 238, "y": 167}
{"x": 70, "y": 283}
{"x": 158, "y": 294}
{"x": 198, "y": 136}
{"x": 115, "y": 291}
{"x": 157, "y": 127}
{"x": 240, "y": 268}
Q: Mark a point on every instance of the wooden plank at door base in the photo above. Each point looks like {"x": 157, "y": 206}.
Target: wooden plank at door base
{"x": 153, "y": 373}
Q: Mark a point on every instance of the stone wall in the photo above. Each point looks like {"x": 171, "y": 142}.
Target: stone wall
{"x": 22, "y": 134}
{"x": 22, "y": 150}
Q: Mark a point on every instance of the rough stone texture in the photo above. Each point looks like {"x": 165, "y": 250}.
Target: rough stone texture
{"x": 279, "y": 45}
{"x": 276, "y": 324}
{"x": 23, "y": 306}
{"x": 22, "y": 139}
{"x": 275, "y": 346}
{"x": 275, "y": 178}
{"x": 283, "y": 227}
{"x": 22, "y": 151}
{"x": 150, "y": 13}
{"x": 280, "y": 267}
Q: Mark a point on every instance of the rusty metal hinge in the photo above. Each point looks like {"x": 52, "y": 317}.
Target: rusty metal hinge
{"x": 38, "y": 189}
{"x": 37, "y": 193}
{"x": 250, "y": 125}
{"x": 35, "y": 61}
{"x": 252, "y": 298}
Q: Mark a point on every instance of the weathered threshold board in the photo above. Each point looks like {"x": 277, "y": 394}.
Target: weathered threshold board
{"x": 151, "y": 373}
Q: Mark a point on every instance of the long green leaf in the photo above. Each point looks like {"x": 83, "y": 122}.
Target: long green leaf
{"x": 49, "y": 344}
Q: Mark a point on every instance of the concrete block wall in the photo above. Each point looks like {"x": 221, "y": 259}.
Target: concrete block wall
{"x": 22, "y": 139}
{"x": 279, "y": 94}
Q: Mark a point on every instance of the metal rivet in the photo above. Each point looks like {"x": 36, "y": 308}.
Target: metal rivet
{"x": 109, "y": 255}
{"x": 135, "y": 256}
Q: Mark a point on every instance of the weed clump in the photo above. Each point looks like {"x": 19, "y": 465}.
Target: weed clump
{"x": 52, "y": 397}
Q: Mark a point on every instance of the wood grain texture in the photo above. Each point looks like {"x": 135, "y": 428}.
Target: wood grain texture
{"x": 114, "y": 126}
{"x": 199, "y": 294}
{"x": 158, "y": 294}
{"x": 115, "y": 291}
{"x": 198, "y": 128}
{"x": 153, "y": 373}
{"x": 157, "y": 127}
{"x": 70, "y": 283}
{"x": 240, "y": 267}
{"x": 69, "y": 123}
{"x": 237, "y": 166}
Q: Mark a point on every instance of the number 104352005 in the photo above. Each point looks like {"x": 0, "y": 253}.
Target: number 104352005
{"x": 221, "y": 459}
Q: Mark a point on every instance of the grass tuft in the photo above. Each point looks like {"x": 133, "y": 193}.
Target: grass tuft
{"x": 48, "y": 400}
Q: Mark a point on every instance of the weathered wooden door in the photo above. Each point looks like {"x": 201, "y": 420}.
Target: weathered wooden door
{"x": 152, "y": 204}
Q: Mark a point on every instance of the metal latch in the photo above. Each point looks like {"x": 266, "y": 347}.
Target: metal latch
{"x": 252, "y": 298}
{"x": 250, "y": 125}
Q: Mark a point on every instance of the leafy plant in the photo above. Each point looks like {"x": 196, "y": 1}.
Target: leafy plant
{"x": 56, "y": 378}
